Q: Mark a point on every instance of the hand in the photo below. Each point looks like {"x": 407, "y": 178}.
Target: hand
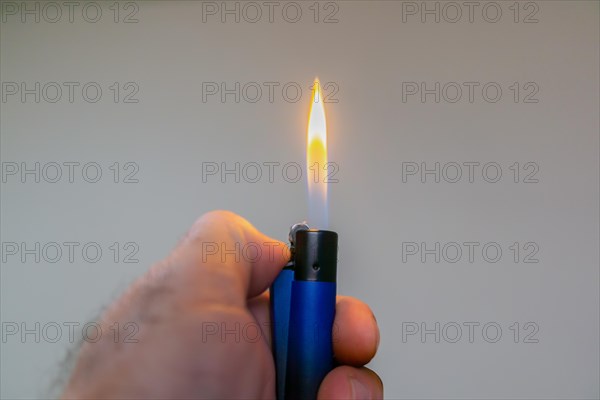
{"x": 180, "y": 302}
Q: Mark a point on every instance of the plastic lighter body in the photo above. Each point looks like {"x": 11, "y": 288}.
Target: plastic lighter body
{"x": 303, "y": 310}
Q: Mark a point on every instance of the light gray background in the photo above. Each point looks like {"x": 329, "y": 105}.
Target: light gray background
{"x": 368, "y": 54}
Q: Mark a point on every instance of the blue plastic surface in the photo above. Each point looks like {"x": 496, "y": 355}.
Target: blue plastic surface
{"x": 281, "y": 293}
{"x": 310, "y": 348}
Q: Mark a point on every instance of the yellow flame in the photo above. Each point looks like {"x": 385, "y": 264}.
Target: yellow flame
{"x": 316, "y": 156}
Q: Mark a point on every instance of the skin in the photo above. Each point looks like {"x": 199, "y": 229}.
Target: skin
{"x": 178, "y": 299}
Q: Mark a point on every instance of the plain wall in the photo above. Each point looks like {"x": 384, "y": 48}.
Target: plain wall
{"x": 371, "y": 57}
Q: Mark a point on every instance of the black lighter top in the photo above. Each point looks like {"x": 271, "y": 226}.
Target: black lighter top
{"x": 315, "y": 255}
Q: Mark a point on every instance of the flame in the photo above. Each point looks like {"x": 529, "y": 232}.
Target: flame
{"x": 316, "y": 160}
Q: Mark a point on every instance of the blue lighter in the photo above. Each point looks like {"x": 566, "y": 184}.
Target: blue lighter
{"x": 302, "y": 311}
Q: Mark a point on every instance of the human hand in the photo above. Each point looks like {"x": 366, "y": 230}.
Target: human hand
{"x": 178, "y": 298}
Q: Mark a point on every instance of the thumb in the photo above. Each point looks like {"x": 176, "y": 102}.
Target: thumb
{"x": 225, "y": 259}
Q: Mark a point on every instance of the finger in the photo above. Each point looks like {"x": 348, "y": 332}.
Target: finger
{"x": 351, "y": 383}
{"x": 260, "y": 309}
{"x": 225, "y": 260}
{"x": 355, "y": 333}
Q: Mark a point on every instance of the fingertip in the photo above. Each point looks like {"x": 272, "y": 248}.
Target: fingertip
{"x": 347, "y": 382}
{"x": 356, "y": 333}
{"x": 270, "y": 256}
